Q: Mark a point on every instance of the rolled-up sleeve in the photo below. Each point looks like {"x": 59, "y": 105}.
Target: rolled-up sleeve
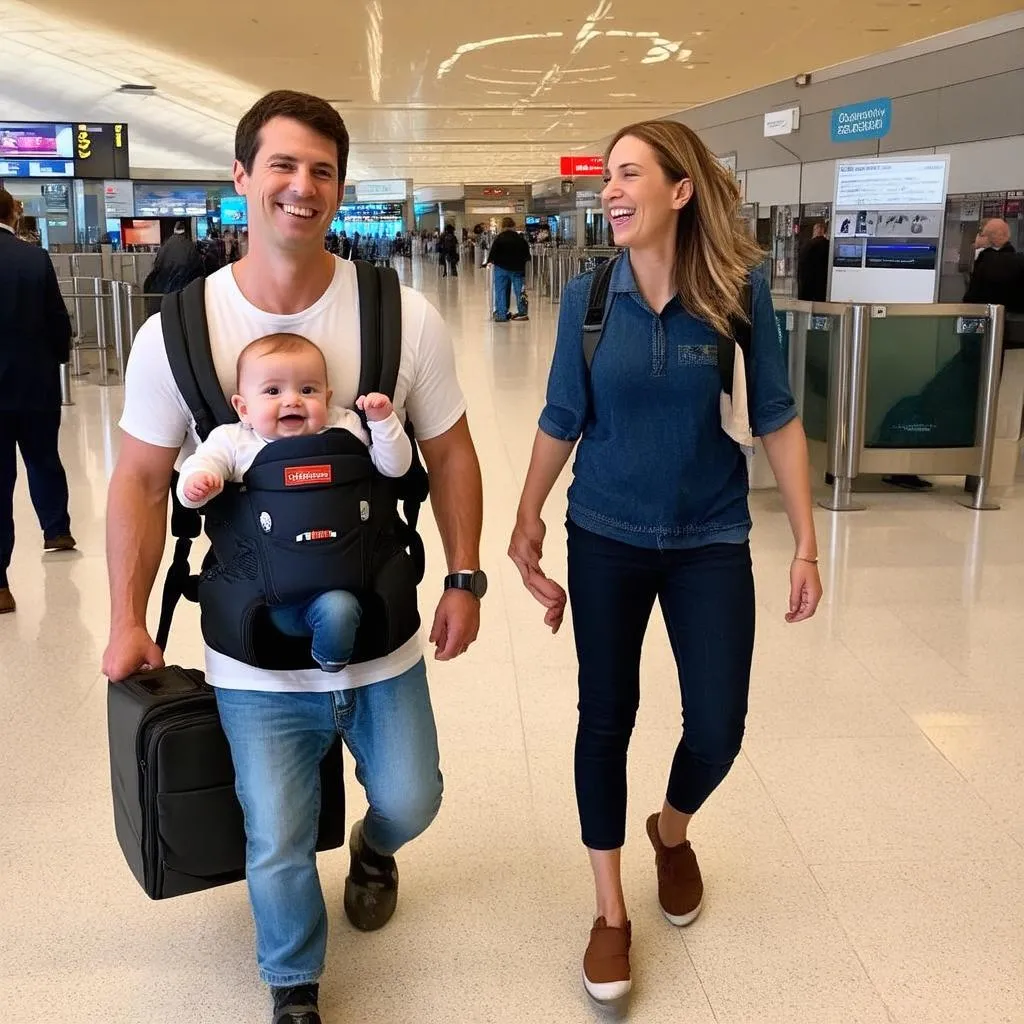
{"x": 771, "y": 401}
{"x": 566, "y": 409}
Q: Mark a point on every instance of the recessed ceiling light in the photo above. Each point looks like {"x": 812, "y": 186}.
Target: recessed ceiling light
{"x": 135, "y": 87}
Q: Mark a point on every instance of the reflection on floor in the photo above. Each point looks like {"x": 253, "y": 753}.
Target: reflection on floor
{"x": 864, "y": 861}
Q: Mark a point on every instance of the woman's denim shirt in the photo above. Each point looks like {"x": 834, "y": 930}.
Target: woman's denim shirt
{"x": 654, "y": 467}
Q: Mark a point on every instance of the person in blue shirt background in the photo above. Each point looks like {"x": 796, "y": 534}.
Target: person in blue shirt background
{"x": 658, "y": 504}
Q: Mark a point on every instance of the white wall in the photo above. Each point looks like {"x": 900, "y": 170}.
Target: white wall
{"x": 995, "y": 165}
{"x": 774, "y": 186}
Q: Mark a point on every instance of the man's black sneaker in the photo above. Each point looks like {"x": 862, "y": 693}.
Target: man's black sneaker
{"x": 371, "y": 889}
{"x": 296, "y": 1005}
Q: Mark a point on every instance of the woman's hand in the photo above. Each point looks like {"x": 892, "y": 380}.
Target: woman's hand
{"x": 804, "y": 590}
{"x": 525, "y": 549}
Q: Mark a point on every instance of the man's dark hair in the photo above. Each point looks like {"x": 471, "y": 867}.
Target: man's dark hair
{"x": 508, "y": 224}
{"x": 311, "y": 111}
{"x": 7, "y": 206}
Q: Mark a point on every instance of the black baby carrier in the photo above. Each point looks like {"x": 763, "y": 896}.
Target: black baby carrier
{"x": 311, "y": 514}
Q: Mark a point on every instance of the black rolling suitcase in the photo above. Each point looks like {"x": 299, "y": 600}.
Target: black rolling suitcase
{"x": 176, "y": 814}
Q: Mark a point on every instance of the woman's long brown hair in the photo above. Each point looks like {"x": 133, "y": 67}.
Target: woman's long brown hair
{"x": 714, "y": 250}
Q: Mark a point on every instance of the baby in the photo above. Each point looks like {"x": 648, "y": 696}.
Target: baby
{"x": 282, "y": 392}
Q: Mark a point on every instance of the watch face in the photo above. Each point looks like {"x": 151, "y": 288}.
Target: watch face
{"x": 479, "y": 583}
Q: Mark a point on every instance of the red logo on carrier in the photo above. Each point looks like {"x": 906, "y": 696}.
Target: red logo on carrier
{"x": 304, "y": 476}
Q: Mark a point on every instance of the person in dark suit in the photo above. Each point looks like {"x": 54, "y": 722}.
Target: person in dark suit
{"x": 998, "y": 276}
{"x": 35, "y": 338}
{"x": 812, "y": 266}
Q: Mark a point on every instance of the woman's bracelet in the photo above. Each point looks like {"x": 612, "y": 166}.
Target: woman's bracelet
{"x": 801, "y": 558}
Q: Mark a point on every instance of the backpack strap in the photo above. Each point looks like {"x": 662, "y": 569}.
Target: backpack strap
{"x": 741, "y": 329}
{"x": 380, "y": 324}
{"x": 597, "y": 313}
{"x": 187, "y": 342}
{"x": 597, "y": 301}
{"x": 368, "y": 279}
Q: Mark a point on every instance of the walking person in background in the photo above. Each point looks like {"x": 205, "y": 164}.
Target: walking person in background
{"x": 812, "y": 266}
{"x": 177, "y": 264}
{"x": 448, "y": 250}
{"x": 658, "y": 504}
{"x": 35, "y": 338}
{"x": 509, "y": 255}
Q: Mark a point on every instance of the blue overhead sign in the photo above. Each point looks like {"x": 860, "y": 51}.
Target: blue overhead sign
{"x": 860, "y": 121}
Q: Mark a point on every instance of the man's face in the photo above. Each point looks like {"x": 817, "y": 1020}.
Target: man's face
{"x": 294, "y": 189}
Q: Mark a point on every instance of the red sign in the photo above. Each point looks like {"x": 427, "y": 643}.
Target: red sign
{"x": 304, "y": 476}
{"x": 582, "y": 166}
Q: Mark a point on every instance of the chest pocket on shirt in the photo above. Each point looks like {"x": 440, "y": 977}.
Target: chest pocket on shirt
{"x": 698, "y": 355}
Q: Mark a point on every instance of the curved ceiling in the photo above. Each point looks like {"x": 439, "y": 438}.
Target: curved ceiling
{"x": 449, "y": 91}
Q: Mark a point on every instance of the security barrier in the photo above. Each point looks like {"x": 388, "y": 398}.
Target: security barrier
{"x": 896, "y": 389}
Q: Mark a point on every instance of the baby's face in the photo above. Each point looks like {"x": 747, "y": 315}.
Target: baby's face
{"x": 284, "y": 394}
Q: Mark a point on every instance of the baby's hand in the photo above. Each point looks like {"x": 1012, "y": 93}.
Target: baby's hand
{"x": 203, "y": 486}
{"x": 376, "y": 406}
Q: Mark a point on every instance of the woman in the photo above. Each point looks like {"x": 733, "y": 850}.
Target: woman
{"x": 658, "y": 504}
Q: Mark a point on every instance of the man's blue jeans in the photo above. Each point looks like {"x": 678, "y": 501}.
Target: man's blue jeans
{"x": 506, "y": 283}
{"x": 277, "y": 742}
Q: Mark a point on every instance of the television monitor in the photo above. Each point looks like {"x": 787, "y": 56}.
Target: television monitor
{"x": 158, "y": 201}
{"x": 36, "y": 168}
{"x": 32, "y": 141}
{"x": 234, "y": 212}
{"x": 141, "y": 232}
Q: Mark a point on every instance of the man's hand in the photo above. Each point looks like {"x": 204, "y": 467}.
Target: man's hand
{"x": 456, "y": 624}
{"x": 130, "y": 651}
{"x": 203, "y": 486}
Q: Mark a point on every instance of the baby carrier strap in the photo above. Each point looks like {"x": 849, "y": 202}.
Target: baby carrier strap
{"x": 187, "y": 342}
{"x": 598, "y": 306}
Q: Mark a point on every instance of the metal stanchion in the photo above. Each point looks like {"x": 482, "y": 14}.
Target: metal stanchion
{"x": 991, "y": 371}
{"x": 117, "y": 290}
{"x": 845, "y": 410}
{"x": 101, "y": 330}
{"x": 76, "y": 342}
{"x": 65, "y": 385}
{"x": 130, "y": 305}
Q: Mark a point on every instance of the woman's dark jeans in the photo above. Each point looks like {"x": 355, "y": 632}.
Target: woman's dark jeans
{"x": 707, "y": 599}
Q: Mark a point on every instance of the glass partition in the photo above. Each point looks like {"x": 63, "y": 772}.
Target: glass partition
{"x": 923, "y": 381}
{"x": 817, "y": 367}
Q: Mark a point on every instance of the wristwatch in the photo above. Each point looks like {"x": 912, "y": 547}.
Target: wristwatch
{"x": 473, "y": 580}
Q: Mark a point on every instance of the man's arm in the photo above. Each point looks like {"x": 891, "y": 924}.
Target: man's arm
{"x": 456, "y": 496}
{"x": 136, "y": 530}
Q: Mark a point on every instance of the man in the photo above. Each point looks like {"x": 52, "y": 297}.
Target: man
{"x": 177, "y": 263}
{"x": 509, "y": 255}
{"x": 291, "y": 153}
{"x": 35, "y": 338}
{"x": 998, "y": 276}
{"x": 812, "y": 266}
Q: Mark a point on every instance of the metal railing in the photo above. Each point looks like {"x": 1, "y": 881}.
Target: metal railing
{"x": 961, "y": 341}
{"x": 104, "y": 317}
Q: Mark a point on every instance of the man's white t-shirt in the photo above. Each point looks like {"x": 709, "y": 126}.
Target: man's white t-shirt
{"x": 428, "y": 391}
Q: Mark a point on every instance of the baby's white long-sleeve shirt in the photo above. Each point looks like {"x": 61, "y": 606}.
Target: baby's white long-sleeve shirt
{"x": 231, "y": 449}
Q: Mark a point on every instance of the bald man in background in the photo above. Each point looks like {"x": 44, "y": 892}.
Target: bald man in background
{"x": 998, "y": 276}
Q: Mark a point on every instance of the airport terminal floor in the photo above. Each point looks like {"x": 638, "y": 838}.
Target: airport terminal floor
{"x": 864, "y": 861}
